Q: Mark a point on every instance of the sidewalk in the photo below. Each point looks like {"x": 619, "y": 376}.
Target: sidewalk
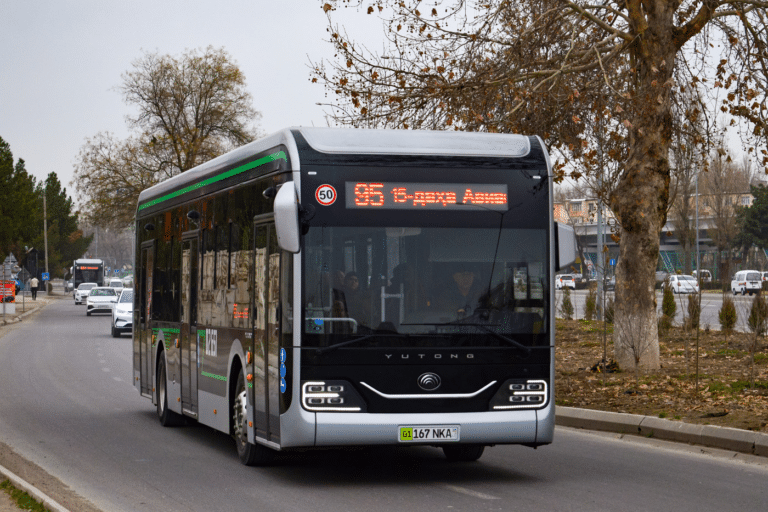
{"x": 25, "y": 306}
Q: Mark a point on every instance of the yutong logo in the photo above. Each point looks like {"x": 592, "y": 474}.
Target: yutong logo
{"x": 431, "y": 356}
{"x": 429, "y": 381}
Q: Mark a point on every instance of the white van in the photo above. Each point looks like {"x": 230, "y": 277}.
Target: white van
{"x": 746, "y": 281}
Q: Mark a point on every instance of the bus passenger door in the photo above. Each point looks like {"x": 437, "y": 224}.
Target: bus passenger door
{"x": 267, "y": 330}
{"x": 144, "y": 300}
{"x": 189, "y": 338}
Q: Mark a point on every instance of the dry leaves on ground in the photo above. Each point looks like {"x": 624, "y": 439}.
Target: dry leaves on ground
{"x": 723, "y": 397}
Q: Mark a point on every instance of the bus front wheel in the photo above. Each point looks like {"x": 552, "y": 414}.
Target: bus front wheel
{"x": 463, "y": 452}
{"x": 250, "y": 454}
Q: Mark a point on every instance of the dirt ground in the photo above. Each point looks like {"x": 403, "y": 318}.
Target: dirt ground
{"x": 723, "y": 397}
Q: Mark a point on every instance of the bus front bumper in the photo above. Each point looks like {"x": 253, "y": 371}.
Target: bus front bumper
{"x": 349, "y": 429}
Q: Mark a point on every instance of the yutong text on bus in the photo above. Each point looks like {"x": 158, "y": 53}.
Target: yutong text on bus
{"x": 329, "y": 287}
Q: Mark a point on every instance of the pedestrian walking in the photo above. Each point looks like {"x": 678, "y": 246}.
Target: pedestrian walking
{"x": 33, "y": 287}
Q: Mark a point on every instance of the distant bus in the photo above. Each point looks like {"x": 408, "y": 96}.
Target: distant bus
{"x": 308, "y": 290}
{"x": 87, "y": 271}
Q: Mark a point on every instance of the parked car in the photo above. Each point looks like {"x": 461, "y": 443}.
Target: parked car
{"x": 706, "y": 275}
{"x": 565, "y": 281}
{"x": 610, "y": 284}
{"x": 122, "y": 314}
{"x": 101, "y": 299}
{"x": 681, "y": 283}
{"x": 747, "y": 281}
{"x": 68, "y": 286}
{"x": 82, "y": 292}
{"x": 765, "y": 276}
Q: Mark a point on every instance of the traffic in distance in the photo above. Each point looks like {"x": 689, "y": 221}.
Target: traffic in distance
{"x": 90, "y": 285}
{"x": 328, "y": 287}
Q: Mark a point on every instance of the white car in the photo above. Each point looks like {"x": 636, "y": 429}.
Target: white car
{"x": 122, "y": 315}
{"x": 565, "y": 281}
{"x": 746, "y": 281}
{"x": 82, "y": 292}
{"x": 117, "y": 284}
{"x": 680, "y": 283}
{"x": 101, "y": 299}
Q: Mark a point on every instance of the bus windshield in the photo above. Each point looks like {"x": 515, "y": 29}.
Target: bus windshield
{"x": 434, "y": 286}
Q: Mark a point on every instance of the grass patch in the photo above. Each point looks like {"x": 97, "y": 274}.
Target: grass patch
{"x": 729, "y": 353}
{"x": 741, "y": 385}
{"x": 22, "y": 499}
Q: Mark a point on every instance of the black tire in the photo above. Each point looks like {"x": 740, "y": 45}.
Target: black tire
{"x": 743, "y": 291}
{"x": 249, "y": 454}
{"x": 463, "y": 452}
{"x": 115, "y": 332}
{"x": 167, "y": 417}
{"x": 87, "y": 313}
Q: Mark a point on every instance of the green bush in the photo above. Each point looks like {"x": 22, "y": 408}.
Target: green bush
{"x": 566, "y": 307}
{"x": 694, "y": 311}
{"x": 609, "y": 311}
{"x": 668, "y": 305}
{"x": 590, "y": 310}
{"x": 727, "y": 314}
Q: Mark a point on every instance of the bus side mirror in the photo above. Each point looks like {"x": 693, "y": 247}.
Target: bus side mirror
{"x": 565, "y": 245}
{"x": 287, "y": 218}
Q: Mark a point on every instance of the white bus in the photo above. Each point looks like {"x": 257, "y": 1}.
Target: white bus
{"x": 330, "y": 287}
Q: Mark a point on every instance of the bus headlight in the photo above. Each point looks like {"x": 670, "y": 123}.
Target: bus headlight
{"x": 521, "y": 394}
{"x": 330, "y": 396}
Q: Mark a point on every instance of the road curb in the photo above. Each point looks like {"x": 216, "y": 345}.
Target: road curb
{"x": 32, "y": 491}
{"x": 726, "y": 438}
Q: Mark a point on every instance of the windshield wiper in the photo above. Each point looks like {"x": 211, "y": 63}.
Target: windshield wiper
{"x": 484, "y": 327}
{"x": 329, "y": 348}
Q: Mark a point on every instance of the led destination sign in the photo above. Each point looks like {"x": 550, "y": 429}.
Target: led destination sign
{"x": 389, "y": 195}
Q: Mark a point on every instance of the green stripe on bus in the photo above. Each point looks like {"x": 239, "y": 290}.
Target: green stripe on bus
{"x": 232, "y": 172}
{"x": 213, "y": 376}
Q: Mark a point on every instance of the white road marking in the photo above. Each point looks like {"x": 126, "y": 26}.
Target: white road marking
{"x": 469, "y": 492}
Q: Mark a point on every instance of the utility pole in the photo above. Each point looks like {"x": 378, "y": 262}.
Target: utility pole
{"x": 45, "y": 235}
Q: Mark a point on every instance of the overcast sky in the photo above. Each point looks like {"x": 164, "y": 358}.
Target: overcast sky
{"x": 61, "y": 63}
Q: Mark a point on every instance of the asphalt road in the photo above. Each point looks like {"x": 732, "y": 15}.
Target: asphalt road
{"x": 711, "y": 302}
{"x": 68, "y": 405}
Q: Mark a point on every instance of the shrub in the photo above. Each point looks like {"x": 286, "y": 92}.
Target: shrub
{"x": 694, "y": 311}
{"x": 590, "y": 309}
{"x": 609, "y": 311}
{"x": 668, "y": 305}
{"x": 727, "y": 316}
{"x": 566, "y": 307}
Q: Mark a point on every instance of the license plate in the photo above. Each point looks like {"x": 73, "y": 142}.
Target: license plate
{"x": 429, "y": 434}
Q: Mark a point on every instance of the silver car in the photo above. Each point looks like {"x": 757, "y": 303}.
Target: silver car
{"x": 101, "y": 299}
{"x": 81, "y": 294}
{"x": 122, "y": 315}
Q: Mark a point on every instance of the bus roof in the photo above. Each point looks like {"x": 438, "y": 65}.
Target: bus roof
{"x": 339, "y": 141}
{"x": 86, "y": 261}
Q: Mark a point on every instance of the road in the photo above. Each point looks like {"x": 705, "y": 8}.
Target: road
{"x": 711, "y": 302}
{"x": 68, "y": 405}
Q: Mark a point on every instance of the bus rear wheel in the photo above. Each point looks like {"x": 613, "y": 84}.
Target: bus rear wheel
{"x": 167, "y": 417}
{"x": 250, "y": 454}
{"x": 463, "y": 452}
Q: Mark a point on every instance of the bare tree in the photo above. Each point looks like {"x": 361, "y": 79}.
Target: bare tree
{"x": 720, "y": 185}
{"x": 189, "y": 108}
{"x": 563, "y": 69}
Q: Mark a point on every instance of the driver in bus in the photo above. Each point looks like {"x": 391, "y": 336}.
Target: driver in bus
{"x": 462, "y": 293}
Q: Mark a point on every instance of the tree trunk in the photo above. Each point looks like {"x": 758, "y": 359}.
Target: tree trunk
{"x": 641, "y": 198}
